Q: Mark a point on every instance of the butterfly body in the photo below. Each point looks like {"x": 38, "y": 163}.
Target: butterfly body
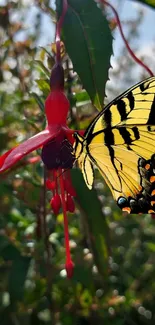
{"x": 120, "y": 142}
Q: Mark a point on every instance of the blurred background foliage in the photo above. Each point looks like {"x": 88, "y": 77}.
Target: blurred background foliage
{"x": 114, "y": 254}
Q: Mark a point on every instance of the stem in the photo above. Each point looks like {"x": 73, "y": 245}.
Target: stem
{"x": 46, "y": 241}
{"x": 58, "y": 31}
{"x": 124, "y": 39}
{"x": 68, "y": 256}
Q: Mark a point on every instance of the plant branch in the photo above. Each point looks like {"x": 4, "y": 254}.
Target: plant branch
{"x": 124, "y": 39}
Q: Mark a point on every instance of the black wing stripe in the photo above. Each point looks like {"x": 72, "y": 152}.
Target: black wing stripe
{"x": 151, "y": 119}
{"x": 84, "y": 167}
{"x": 136, "y": 133}
{"x": 107, "y": 117}
{"x": 144, "y": 86}
{"x": 131, "y": 100}
{"x": 121, "y": 106}
{"x": 125, "y": 135}
{"x": 108, "y": 137}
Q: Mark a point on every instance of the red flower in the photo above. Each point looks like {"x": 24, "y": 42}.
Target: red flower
{"x": 56, "y": 142}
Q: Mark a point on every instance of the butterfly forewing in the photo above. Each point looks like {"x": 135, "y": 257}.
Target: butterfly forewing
{"x": 118, "y": 140}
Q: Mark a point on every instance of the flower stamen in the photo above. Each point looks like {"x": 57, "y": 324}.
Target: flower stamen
{"x": 69, "y": 264}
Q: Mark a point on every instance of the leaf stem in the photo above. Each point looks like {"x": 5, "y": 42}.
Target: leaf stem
{"x": 124, "y": 39}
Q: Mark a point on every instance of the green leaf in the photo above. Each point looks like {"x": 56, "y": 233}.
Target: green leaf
{"x": 17, "y": 277}
{"x": 150, "y": 3}
{"x": 40, "y": 63}
{"x": 38, "y": 100}
{"x": 7, "y": 250}
{"x": 88, "y": 41}
{"x": 151, "y": 246}
{"x": 43, "y": 86}
{"x": 94, "y": 221}
{"x": 19, "y": 268}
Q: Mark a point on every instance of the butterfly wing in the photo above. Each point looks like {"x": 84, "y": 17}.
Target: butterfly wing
{"x": 120, "y": 141}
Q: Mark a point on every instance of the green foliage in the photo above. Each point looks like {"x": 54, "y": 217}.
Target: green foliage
{"x": 94, "y": 222}
{"x": 91, "y": 49}
{"x": 150, "y": 3}
{"x": 114, "y": 255}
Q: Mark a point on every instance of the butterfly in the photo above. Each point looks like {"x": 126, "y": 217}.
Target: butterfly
{"x": 120, "y": 142}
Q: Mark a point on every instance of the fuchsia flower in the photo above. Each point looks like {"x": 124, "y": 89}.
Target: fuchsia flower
{"x": 56, "y": 143}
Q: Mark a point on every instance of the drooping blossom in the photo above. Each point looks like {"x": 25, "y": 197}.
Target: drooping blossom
{"x": 56, "y": 143}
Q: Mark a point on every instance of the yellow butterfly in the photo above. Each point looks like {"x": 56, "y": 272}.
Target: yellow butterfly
{"x": 120, "y": 142}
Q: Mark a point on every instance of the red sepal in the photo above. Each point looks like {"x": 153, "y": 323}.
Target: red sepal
{"x": 56, "y": 107}
{"x": 12, "y": 156}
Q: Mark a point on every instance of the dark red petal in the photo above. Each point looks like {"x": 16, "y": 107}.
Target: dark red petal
{"x": 70, "y": 205}
{"x": 56, "y": 203}
{"x": 56, "y": 107}
{"x": 12, "y": 156}
{"x": 69, "y": 266}
{"x": 68, "y": 187}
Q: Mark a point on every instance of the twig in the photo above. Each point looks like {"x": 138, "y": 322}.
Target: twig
{"x": 124, "y": 39}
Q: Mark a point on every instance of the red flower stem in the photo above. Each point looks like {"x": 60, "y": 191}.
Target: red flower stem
{"x": 46, "y": 243}
{"x": 124, "y": 39}
{"x": 68, "y": 256}
{"x": 46, "y": 235}
{"x": 58, "y": 31}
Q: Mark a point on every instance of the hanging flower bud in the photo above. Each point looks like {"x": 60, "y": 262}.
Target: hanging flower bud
{"x": 56, "y": 203}
{"x": 70, "y": 205}
{"x": 51, "y": 185}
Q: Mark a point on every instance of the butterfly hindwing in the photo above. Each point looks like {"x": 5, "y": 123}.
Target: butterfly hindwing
{"x": 117, "y": 140}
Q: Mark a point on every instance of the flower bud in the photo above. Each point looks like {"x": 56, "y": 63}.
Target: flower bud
{"x": 70, "y": 205}
{"x": 56, "y": 203}
{"x": 51, "y": 185}
{"x": 57, "y": 77}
